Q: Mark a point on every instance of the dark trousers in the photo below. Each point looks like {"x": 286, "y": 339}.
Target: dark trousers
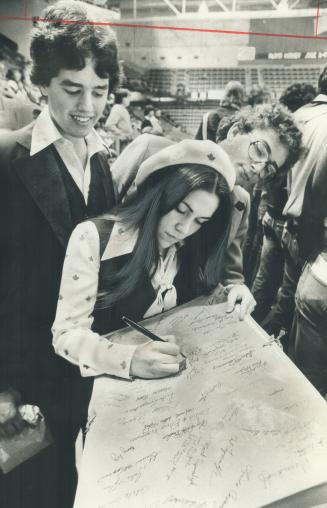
{"x": 49, "y": 479}
{"x": 281, "y": 315}
{"x": 270, "y": 273}
{"x": 309, "y": 333}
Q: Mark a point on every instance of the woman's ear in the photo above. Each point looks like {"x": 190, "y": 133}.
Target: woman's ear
{"x": 233, "y": 131}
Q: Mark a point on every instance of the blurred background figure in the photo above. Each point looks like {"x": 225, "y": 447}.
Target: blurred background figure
{"x": 297, "y": 95}
{"x": 119, "y": 125}
{"x": 20, "y": 101}
{"x": 258, "y": 95}
{"x": 232, "y": 102}
{"x": 270, "y": 272}
{"x": 151, "y": 124}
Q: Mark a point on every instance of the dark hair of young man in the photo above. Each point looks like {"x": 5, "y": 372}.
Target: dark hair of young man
{"x": 65, "y": 38}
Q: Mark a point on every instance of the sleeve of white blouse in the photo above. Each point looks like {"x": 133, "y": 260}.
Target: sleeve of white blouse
{"x": 73, "y": 338}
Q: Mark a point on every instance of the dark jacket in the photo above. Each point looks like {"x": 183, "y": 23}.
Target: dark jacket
{"x": 312, "y": 223}
{"x": 36, "y": 223}
{"x": 213, "y": 119}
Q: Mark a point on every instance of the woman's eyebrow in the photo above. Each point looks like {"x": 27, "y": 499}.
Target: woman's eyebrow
{"x": 192, "y": 211}
{"x": 188, "y": 206}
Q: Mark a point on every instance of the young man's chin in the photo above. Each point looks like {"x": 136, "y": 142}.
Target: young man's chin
{"x": 78, "y": 131}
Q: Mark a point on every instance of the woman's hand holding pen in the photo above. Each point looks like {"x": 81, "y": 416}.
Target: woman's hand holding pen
{"x": 156, "y": 359}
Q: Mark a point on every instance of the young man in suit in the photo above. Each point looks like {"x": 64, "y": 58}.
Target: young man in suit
{"x": 258, "y": 142}
{"x": 53, "y": 175}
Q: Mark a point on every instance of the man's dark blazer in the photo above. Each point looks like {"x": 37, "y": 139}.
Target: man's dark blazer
{"x": 36, "y": 224}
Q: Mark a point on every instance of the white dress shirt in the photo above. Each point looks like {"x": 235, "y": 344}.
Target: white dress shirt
{"x": 72, "y": 335}
{"x": 46, "y": 133}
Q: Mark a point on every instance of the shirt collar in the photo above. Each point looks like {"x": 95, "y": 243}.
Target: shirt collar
{"x": 46, "y": 133}
{"x": 320, "y": 98}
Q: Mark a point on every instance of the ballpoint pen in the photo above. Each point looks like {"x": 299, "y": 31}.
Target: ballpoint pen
{"x": 141, "y": 329}
{"x": 151, "y": 335}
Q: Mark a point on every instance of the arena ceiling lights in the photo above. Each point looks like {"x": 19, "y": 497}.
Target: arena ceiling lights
{"x": 224, "y": 8}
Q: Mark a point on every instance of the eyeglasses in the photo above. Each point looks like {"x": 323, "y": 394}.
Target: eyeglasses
{"x": 259, "y": 152}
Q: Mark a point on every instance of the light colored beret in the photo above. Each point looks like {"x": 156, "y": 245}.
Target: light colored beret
{"x": 189, "y": 151}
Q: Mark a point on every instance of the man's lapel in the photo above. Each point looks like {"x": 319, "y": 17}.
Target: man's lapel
{"x": 41, "y": 176}
{"x": 106, "y": 178}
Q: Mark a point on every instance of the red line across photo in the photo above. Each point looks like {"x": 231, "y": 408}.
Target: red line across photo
{"x": 185, "y": 29}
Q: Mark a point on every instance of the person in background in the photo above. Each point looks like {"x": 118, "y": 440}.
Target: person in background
{"x": 270, "y": 272}
{"x": 258, "y": 95}
{"x": 158, "y": 113}
{"x": 297, "y": 95}
{"x": 9, "y": 90}
{"x": 17, "y": 106}
{"x": 258, "y": 142}
{"x": 252, "y": 248}
{"x": 16, "y": 76}
{"x": 312, "y": 119}
{"x": 304, "y": 241}
{"x": 100, "y": 125}
{"x": 162, "y": 247}
{"x": 233, "y": 100}
{"x": 118, "y": 124}
{"x": 308, "y": 341}
{"x": 151, "y": 124}
{"x": 53, "y": 174}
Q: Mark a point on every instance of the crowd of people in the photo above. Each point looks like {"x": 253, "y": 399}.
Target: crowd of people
{"x": 21, "y": 102}
{"x": 242, "y": 206}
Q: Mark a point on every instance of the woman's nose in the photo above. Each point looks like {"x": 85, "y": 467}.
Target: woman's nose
{"x": 183, "y": 227}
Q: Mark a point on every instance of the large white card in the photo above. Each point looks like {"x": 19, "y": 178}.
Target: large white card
{"x": 240, "y": 427}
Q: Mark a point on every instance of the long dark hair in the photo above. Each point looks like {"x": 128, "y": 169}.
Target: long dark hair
{"x": 160, "y": 193}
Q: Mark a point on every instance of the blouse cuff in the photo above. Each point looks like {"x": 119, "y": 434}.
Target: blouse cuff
{"x": 106, "y": 357}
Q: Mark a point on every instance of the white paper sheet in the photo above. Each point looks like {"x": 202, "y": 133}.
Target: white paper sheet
{"x": 240, "y": 427}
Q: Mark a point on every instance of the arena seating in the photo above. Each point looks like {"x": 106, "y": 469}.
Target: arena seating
{"x": 160, "y": 80}
{"x": 276, "y": 78}
{"x": 209, "y": 79}
{"x": 182, "y": 85}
